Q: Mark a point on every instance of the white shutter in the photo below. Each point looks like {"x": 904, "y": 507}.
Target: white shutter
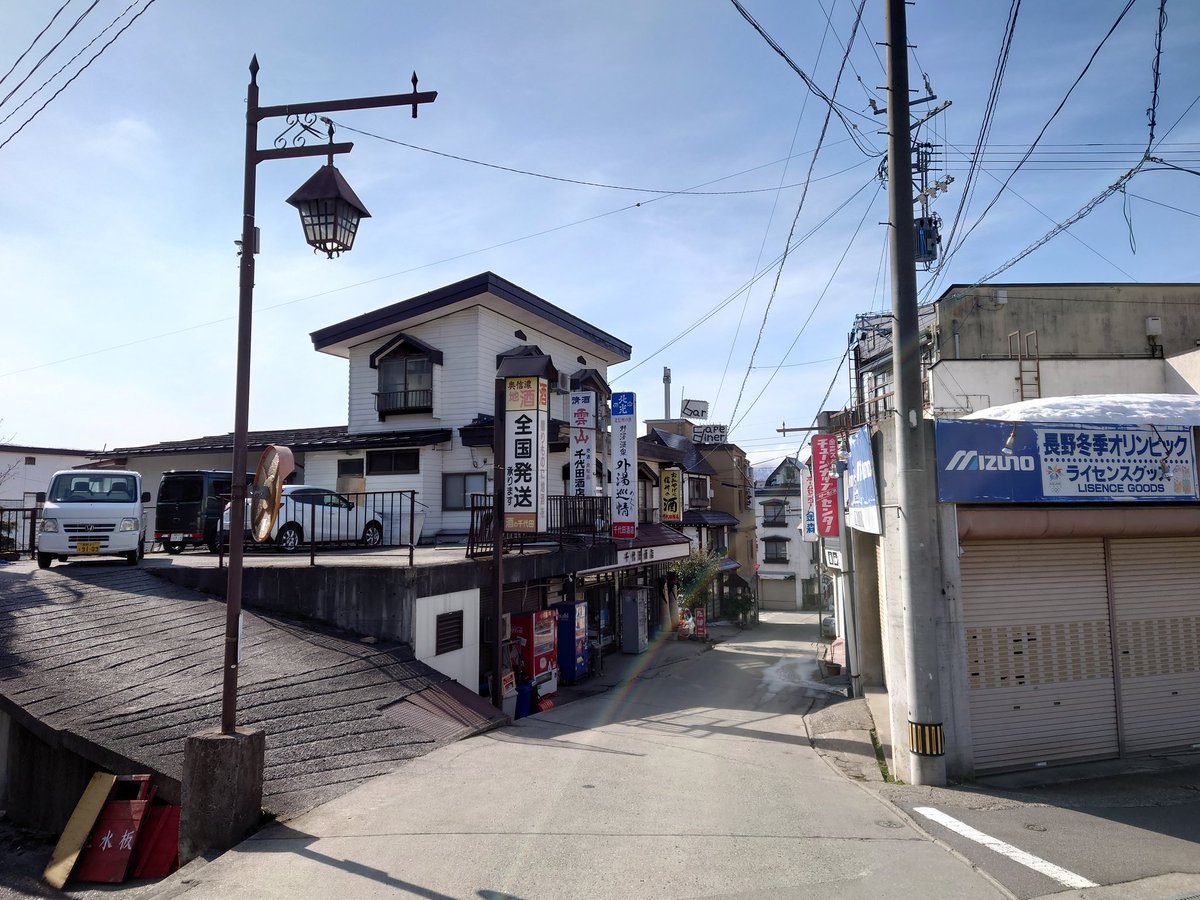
{"x": 1039, "y": 657}
{"x": 1156, "y": 605}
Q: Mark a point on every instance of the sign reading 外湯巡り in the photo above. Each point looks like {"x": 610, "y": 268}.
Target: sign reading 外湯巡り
{"x": 1033, "y": 462}
{"x": 624, "y": 465}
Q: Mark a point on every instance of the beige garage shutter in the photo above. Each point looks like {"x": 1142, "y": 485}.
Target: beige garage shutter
{"x": 1039, "y": 657}
{"x": 1156, "y": 607}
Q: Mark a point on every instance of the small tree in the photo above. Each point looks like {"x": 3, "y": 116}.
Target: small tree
{"x": 696, "y": 572}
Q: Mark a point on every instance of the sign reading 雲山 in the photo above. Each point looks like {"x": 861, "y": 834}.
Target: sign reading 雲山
{"x": 1034, "y": 462}
{"x": 824, "y": 458}
{"x": 624, "y": 457}
{"x": 582, "y": 416}
{"x": 526, "y": 415}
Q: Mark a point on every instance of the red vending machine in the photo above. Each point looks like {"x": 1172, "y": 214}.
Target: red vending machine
{"x": 534, "y": 648}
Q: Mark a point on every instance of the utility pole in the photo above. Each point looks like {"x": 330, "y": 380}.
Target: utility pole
{"x": 917, "y": 531}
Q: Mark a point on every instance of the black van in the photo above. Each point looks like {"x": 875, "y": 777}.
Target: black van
{"x": 189, "y": 506}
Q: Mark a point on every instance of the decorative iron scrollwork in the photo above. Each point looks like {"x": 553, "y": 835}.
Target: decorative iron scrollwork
{"x": 297, "y": 131}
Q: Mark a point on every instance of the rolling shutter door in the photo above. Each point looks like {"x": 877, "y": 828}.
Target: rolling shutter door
{"x": 1156, "y": 611}
{"x": 1039, "y": 657}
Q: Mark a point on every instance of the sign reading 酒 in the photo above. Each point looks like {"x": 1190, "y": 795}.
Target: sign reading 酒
{"x": 526, "y": 414}
{"x": 624, "y": 472}
{"x": 824, "y": 458}
{"x": 711, "y": 434}
{"x": 694, "y": 409}
{"x": 1032, "y": 462}
{"x": 582, "y": 420}
{"x": 670, "y": 482}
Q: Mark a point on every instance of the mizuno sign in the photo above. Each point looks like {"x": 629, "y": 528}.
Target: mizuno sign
{"x": 973, "y": 460}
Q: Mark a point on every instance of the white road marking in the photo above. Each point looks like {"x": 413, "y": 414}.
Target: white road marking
{"x": 1062, "y": 876}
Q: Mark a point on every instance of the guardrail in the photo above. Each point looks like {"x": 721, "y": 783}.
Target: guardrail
{"x": 571, "y": 519}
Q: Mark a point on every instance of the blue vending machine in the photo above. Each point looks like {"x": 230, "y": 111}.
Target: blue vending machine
{"x": 572, "y": 640}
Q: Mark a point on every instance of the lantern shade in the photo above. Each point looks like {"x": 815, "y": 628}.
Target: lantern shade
{"x": 329, "y": 211}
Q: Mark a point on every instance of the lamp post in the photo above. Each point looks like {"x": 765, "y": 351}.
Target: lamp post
{"x": 329, "y": 212}
{"x": 221, "y": 790}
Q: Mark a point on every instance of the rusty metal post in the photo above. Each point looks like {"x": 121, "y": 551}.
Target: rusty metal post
{"x": 312, "y": 535}
{"x": 498, "y": 544}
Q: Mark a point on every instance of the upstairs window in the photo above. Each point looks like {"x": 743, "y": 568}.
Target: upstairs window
{"x": 405, "y": 379}
{"x": 697, "y": 492}
{"x": 774, "y": 515}
{"x": 775, "y": 550}
{"x": 394, "y": 462}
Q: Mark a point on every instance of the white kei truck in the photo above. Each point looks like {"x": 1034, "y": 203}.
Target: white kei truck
{"x": 92, "y": 512}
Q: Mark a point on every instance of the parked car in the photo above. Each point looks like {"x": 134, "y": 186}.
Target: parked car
{"x": 188, "y": 506}
{"x": 828, "y": 627}
{"x": 92, "y": 512}
{"x": 331, "y": 517}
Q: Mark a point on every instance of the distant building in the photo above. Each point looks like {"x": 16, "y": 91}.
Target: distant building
{"x": 787, "y": 563}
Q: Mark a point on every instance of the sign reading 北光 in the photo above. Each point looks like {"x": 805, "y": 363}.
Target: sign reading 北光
{"x": 1033, "y": 462}
{"x": 624, "y": 471}
{"x": 526, "y": 414}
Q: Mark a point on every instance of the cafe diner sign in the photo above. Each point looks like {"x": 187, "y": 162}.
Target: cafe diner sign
{"x": 1038, "y": 462}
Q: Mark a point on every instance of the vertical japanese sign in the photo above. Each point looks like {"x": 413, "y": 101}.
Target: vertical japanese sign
{"x": 526, "y": 415}
{"x": 807, "y": 506}
{"x": 624, "y": 475}
{"x": 582, "y": 417}
{"x": 824, "y": 458}
{"x": 671, "y": 486}
{"x": 862, "y": 499}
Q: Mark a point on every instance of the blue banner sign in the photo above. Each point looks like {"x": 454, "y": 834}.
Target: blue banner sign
{"x": 1037, "y": 462}
{"x": 862, "y": 499}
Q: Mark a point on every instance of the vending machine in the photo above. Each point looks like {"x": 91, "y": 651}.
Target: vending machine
{"x": 633, "y": 620}
{"x": 572, "y": 640}
{"x": 533, "y": 648}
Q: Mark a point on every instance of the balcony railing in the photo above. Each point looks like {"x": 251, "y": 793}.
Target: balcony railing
{"x": 403, "y": 401}
{"x": 578, "y": 520}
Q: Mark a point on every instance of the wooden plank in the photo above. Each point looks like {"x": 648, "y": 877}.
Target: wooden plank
{"x": 79, "y": 826}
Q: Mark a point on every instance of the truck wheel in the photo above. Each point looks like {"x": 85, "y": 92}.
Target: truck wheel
{"x": 131, "y": 558}
{"x": 172, "y": 547}
{"x": 44, "y": 560}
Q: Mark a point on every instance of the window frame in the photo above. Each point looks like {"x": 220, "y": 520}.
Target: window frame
{"x": 466, "y": 491}
{"x": 775, "y": 550}
{"x": 375, "y": 457}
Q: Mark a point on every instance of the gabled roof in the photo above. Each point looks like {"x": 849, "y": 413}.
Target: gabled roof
{"x": 691, "y": 458}
{"x": 298, "y": 439}
{"x": 487, "y": 289}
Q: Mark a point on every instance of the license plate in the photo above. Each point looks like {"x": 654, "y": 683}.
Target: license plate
{"x": 88, "y": 547}
{"x": 176, "y": 538}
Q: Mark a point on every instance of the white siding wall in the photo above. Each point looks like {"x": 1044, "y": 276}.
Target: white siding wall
{"x": 464, "y": 387}
{"x": 23, "y": 479}
{"x": 461, "y": 665}
{"x": 968, "y": 385}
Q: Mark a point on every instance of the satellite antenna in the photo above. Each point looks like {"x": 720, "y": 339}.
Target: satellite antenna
{"x": 274, "y": 466}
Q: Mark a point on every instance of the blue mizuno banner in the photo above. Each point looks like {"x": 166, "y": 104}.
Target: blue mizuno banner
{"x": 862, "y": 500}
{"x": 1036, "y": 462}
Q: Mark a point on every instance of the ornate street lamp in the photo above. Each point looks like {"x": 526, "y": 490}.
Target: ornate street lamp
{"x": 329, "y": 209}
{"x": 221, "y": 789}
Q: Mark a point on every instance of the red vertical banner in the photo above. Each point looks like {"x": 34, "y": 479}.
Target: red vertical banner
{"x": 824, "y": 459}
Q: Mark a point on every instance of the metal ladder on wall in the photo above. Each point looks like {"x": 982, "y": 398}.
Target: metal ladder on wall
{"x": 1029, "y": 368}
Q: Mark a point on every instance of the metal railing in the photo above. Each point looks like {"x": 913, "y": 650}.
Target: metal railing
{"x": 571, "y": 519}
{"x": 375, "y": 520}
{"x": 18, "y": 529}
{"x": 403, "y": 401}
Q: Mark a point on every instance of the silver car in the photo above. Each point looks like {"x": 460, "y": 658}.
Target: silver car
{"x": 323, "y": 515}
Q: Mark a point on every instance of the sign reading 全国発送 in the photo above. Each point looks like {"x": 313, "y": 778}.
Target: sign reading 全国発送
{"x": 1036, "y": 462}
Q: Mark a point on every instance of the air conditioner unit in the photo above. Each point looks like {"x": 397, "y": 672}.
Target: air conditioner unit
{"x": 564, "y": 383}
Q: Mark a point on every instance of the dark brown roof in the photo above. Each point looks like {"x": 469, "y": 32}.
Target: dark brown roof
{"x": 298, "y": 439}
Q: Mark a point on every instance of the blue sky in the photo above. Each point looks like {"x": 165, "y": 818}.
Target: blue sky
{"x": 122, "y": 198}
